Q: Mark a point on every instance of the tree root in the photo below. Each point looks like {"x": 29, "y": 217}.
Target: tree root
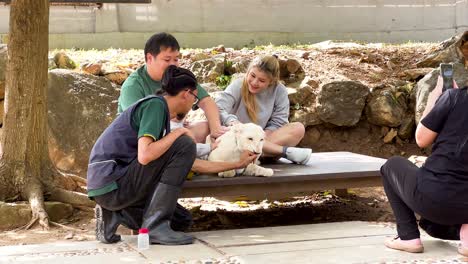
{"x": 64, "y": 226}
{"x": 36, "y": 201}
{"x": 70, "y": 197}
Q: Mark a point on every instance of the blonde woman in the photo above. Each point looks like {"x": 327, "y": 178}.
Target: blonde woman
{"x": 261, "y": 99}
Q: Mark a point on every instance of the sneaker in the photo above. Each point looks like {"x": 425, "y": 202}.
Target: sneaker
{"x": 105, "y": 227}
{"x": 398, "y": 244}
{"x": 298, "y": 155}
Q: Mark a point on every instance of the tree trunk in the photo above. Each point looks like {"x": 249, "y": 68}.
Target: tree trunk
{"x": 26, "y": 172}
{"x": 24, "y": 146}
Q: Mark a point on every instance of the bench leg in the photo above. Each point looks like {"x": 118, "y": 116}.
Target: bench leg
{"x": 341, "y": 192}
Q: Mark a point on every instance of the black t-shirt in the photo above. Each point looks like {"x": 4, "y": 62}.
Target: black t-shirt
{"x": 448, "y": 163}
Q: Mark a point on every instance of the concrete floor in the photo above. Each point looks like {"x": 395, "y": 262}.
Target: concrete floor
{"x": 345, "y": 242}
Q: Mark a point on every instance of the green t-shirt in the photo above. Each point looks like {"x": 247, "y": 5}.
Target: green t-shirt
{"x": 139, "y": 85}
{"x": 148, "y": 119}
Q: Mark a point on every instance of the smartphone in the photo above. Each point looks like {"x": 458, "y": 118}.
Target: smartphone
{"x": 446, "y": 71}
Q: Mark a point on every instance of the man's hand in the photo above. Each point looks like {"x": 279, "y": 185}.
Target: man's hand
{"x": 246, "y": 158}
{"x": 218, "y": 132}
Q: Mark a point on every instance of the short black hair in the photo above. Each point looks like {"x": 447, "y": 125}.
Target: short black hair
{"x": 160, "y": 41}
{"x": 176, "y": 79}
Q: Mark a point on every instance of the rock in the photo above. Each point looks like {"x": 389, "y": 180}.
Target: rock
{"x": 390, "y": 135}
{"x": 58, "y": 211}
{"x": 414, "y": 74}
{"x": 208, "y": 70}
{"x": 92, "y": 68}
{"x": 115, "y": 74}
{"x": 308, "y": 116}
{"x": 384, "y": 131}
{"x": 341, "y": 103}
{"x": 117, "y": 77}
{"x": 448, "y": 51}
{"x": 63, "y": 61}
{"x": 210, "y": 87}
{"x": 52, "y": 64}
{"x": 81, "y": 106}
{"x": 312, "y": 136}
{"x": 308, "y": 81}
{"x": 304, "y": 96}
{"x": 386, "y": 108}
{"x": 305, "y": 55}
{"x": 428, "y": 83}
{"x": 219, "y": 49}
{"x": 406, "y": 128}
{"x": 13, "y": 215}
{"x": 199, "y": 56}
{"x": 69, "y": 235}
{"x": 292, "y": 65}
{"x": 291, "y": 72}
{"x": 237, "y": 65}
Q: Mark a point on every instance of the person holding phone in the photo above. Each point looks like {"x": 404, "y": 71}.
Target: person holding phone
{"x": 438, "y": 191}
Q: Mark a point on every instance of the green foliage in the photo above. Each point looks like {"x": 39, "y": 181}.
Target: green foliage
{"x": 223, "y": 81}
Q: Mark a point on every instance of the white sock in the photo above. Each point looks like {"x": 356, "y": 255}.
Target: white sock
{"x": 298, "y": 155}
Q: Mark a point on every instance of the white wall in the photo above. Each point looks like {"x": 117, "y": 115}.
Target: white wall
{"x": 203, "y": 23}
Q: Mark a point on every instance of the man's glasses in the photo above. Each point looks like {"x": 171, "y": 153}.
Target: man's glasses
{"x": 195, "y": 104}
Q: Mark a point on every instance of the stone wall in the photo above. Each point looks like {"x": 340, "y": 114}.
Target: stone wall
{"x": 206, "y": 23}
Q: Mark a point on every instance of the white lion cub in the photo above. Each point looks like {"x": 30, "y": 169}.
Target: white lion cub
{"x": 239, "y": 138}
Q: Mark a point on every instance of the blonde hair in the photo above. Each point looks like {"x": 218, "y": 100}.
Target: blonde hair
{"x": 267, "y": 64}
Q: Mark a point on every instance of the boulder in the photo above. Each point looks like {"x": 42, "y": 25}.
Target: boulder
{"x": 414, "y": 74}
{"x": 208, "y": 70}
{"x": 449, "y": 50}
{"x": 80, "y": 107}
{"x": 386, "y": 108}
{"x": 52, "y": 64}
{"x": 311, "y": 137}
{"x": 406, "y": 129}
{"x": 199, "y": 56}
{"x": 63, "y": 61}
{"x": 308, "y": 116}
{"x": 291, "y": 72}
{"x": 427, "y": 84}
{"x": 304, "y": 96}
{"x": 92, "y": 68}
{"x": 13, "y": 215}
{"x": 390, "y": 136}
{"x": 341, "y": 103}
{"x": 237, "y": 65}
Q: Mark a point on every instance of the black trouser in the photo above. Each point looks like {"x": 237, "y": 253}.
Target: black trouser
{"x": 136, "y": 187}
{"x": 400, "y": 181}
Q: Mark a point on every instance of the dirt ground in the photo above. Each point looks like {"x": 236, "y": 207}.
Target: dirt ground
{"x": 375, "y": 65}
{"x": 364, "y": 204}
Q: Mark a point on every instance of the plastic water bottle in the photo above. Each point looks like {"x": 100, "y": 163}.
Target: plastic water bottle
{"x": 143, "y": 239}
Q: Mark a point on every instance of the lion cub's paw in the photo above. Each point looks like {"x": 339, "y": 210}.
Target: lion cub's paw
{"x": 267, "y": 172}
{"x": 227, "y": 174}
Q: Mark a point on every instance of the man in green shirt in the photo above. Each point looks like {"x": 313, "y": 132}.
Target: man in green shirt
{"x": 162, "y": 50}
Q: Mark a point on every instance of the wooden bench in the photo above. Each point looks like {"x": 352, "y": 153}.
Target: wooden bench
{"x": 325, "y": 171}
